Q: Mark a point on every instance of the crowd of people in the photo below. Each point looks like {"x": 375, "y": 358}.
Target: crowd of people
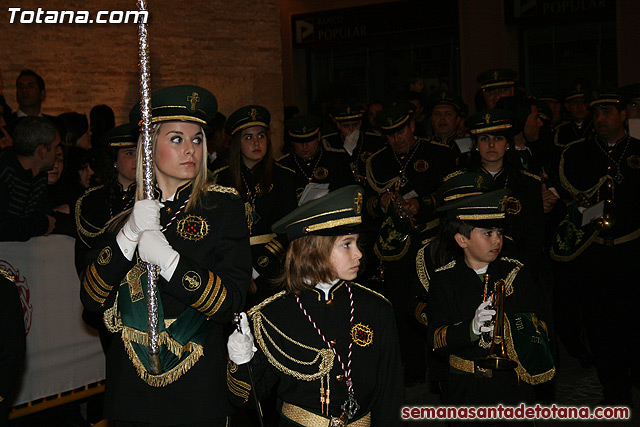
{"x": 389, "y": 245}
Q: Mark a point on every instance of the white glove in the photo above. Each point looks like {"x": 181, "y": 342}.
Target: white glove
{"x": 483, "y": 314}
{"x": 240, "y": 344}
{"x": 145, "y": 215}
{"x": 154, "y": 248}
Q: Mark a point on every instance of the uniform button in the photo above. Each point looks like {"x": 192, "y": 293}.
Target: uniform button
{"x": 340, "y": 378}
{"x": 333, "y": 342}
{"x": 608, "y": 168}
{"x": 609, "y": 185}
{"x": 330, "y": 303}
{"x": 609, "y": 201}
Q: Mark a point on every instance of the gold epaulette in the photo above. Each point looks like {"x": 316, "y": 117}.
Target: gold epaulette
{"x": 222, "y": 189}
{"x": 532, "y": 175}
{"x": 508, "y": 282}
{"x": 4, "y": 273}
{"x": 454, "y": 174}
{"x": 284, "y": 167}
{"x": 439, "y": 143}
{"x": 82, "y": 231}
{"x": 446, "y": 267}
{"x": 266, "y": 302}
{"x": 421, "y": 268}
{"x": 378, "y": 294}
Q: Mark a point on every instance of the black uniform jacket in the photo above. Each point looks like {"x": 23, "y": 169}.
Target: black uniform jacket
{"x": 587, "y": 172}
{"x": 267, "y": 249}
{"x": 455, "y": 292}
{"x": 376, "y": 368}
{"x": 325, "y": 167}
{"x": 425, "y": 169}
{"x": 212, "y": 276}
{"x": 368, "y": 143}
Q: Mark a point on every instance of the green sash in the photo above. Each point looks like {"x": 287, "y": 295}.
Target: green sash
{"x": 571, "y": 238}
{"x": 527, "y": 343}
{"x": 394, "y": 237}
{"x": 181, "y": 343}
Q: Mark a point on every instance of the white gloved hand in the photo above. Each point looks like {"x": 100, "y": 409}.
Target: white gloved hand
{"x": 483, "y": 314}
{"x": 240, "y": 344}
{"x": 155, "y": 249}
{"x": 145, "y": 215}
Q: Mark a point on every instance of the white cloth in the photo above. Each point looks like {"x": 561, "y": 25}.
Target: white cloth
{"x": 482, "y": 316}
{"x": 240, "y": 344}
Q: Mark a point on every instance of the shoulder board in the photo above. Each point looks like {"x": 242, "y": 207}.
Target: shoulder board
{"x": 532, "y": 175}
{"x": 438, "y": 143}
{"x": 512, "y": 261}
{"x": 222, "y": 189}
{"x": 334, "y": 150}
{"x": 4, "y": 273}
{"x": 454, "y": 174}
{"x": 512, "y": 274}
{"x": 217, "y": 171}
{"x": 266, "y": 302}
{"x": 286, "y": 168}
{"x": 446, "y": 267}
{"x": 371, "y": 291}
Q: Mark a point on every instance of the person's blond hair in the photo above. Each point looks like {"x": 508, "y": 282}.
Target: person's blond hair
{"x": 307, "y": 262}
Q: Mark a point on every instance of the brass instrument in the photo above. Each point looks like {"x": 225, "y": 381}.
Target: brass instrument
{"x": 497, "y": 358}
{"x": 398, "y": 203}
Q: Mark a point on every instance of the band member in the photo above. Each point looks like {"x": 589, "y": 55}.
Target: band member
{"x": 317, "y": 169}
{"x": 266, "y": 189}
{"x": 196, "y": 234}
{"x": 471, "y": 268}
{"x": 401, "y": 181}
{"x": 352, "y": 138}
{"x": 329, "y": 344}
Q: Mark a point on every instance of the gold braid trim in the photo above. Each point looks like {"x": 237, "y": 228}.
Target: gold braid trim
{"x": 216, "y": 307}
{"x": 80, "y": 218}
{"x": 237, "y": 387}
{"x": 419, "y": 313}
{"x": 111, "y": 318}
{"x": 325, "y": 355}
{"x": 4, "y": 273}
{"x": 132, "y": 335}
{"x": 378, "y": 187}
{"x": 440, "y": 337}
{"x": 522, "y": 373}
{"x": 369, "y": 290}
{"x": 267, "y": 301}
{"x": 285, "y": 167}
{"x": 222, "y": 189}
{"x": 508, "y": 282}
{"x": 421, "y": 268}
{"x": 532, "y": 175}
{"x": 446, "y": 267}
{"x": 570, "y": 188}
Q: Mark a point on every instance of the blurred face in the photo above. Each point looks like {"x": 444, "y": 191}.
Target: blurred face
{"x": 482, "y": 247}
{"x": 126, "y": 166}
{"x": 179, "y": 154}
{"x": 402, "y": 140}
{"x": 345, "y": 257}
{"x": 85, "y": 174}
{"x": 533, "y": 125}
{"x": 253, "y": 146}
{"x": 491, "y": 96}
{"x": 609, "y": 122}
{"x": 28, "y": 93}
{"x": 55, "y": 173}
{"x": 84, "y": 141}
{"x": 347, "y": 128}
{"x": 578, "y": 109}
{"x": 306, "y": 149}
{"x": 444, "y": 121}
{"x": 492, "y": 149}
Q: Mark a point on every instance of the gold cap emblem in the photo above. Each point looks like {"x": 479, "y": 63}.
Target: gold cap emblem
{"x": 194, "y": 98}
{"x": 495, "y": 75}
{"x": 487, "y": 118}
{"x": 253, "y": 113}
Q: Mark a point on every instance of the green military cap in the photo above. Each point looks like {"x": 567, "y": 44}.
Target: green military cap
{"x": 632, "y": 92}
{"x": 492, "y": 122}
{"x": 606, "y": 96}
{"x": 443, "y": 97}
{"x": 461, "y": 184}
{"x": 497, "y": 77}
{"x": 484, "y": 210}
{"x": 179, "y": 103}
{"x": 303, "y": 128}
{"x": 395, "y": 117}
{"x": 347, "y": 112}
{"x": 123, "y": 136}
{"x": 338, "y": 213}
{"x": 246, "y": 117}
{"x": 579, "y": 89}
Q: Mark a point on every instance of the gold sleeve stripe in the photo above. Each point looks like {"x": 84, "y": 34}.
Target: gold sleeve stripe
{"x": 276, "y": 250}
{"x": 211, "y": 298}
{"x": 98, "y": 279}
{"x": 440, "y": 337}
{"x": 206, "y": 291}
{"x": 278, "y": 245}
{"x": 87, "y": 288}
{"x": 96, "y": 288}
{"x": 215, "y": 309}
{"x": 237, "y": 387}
